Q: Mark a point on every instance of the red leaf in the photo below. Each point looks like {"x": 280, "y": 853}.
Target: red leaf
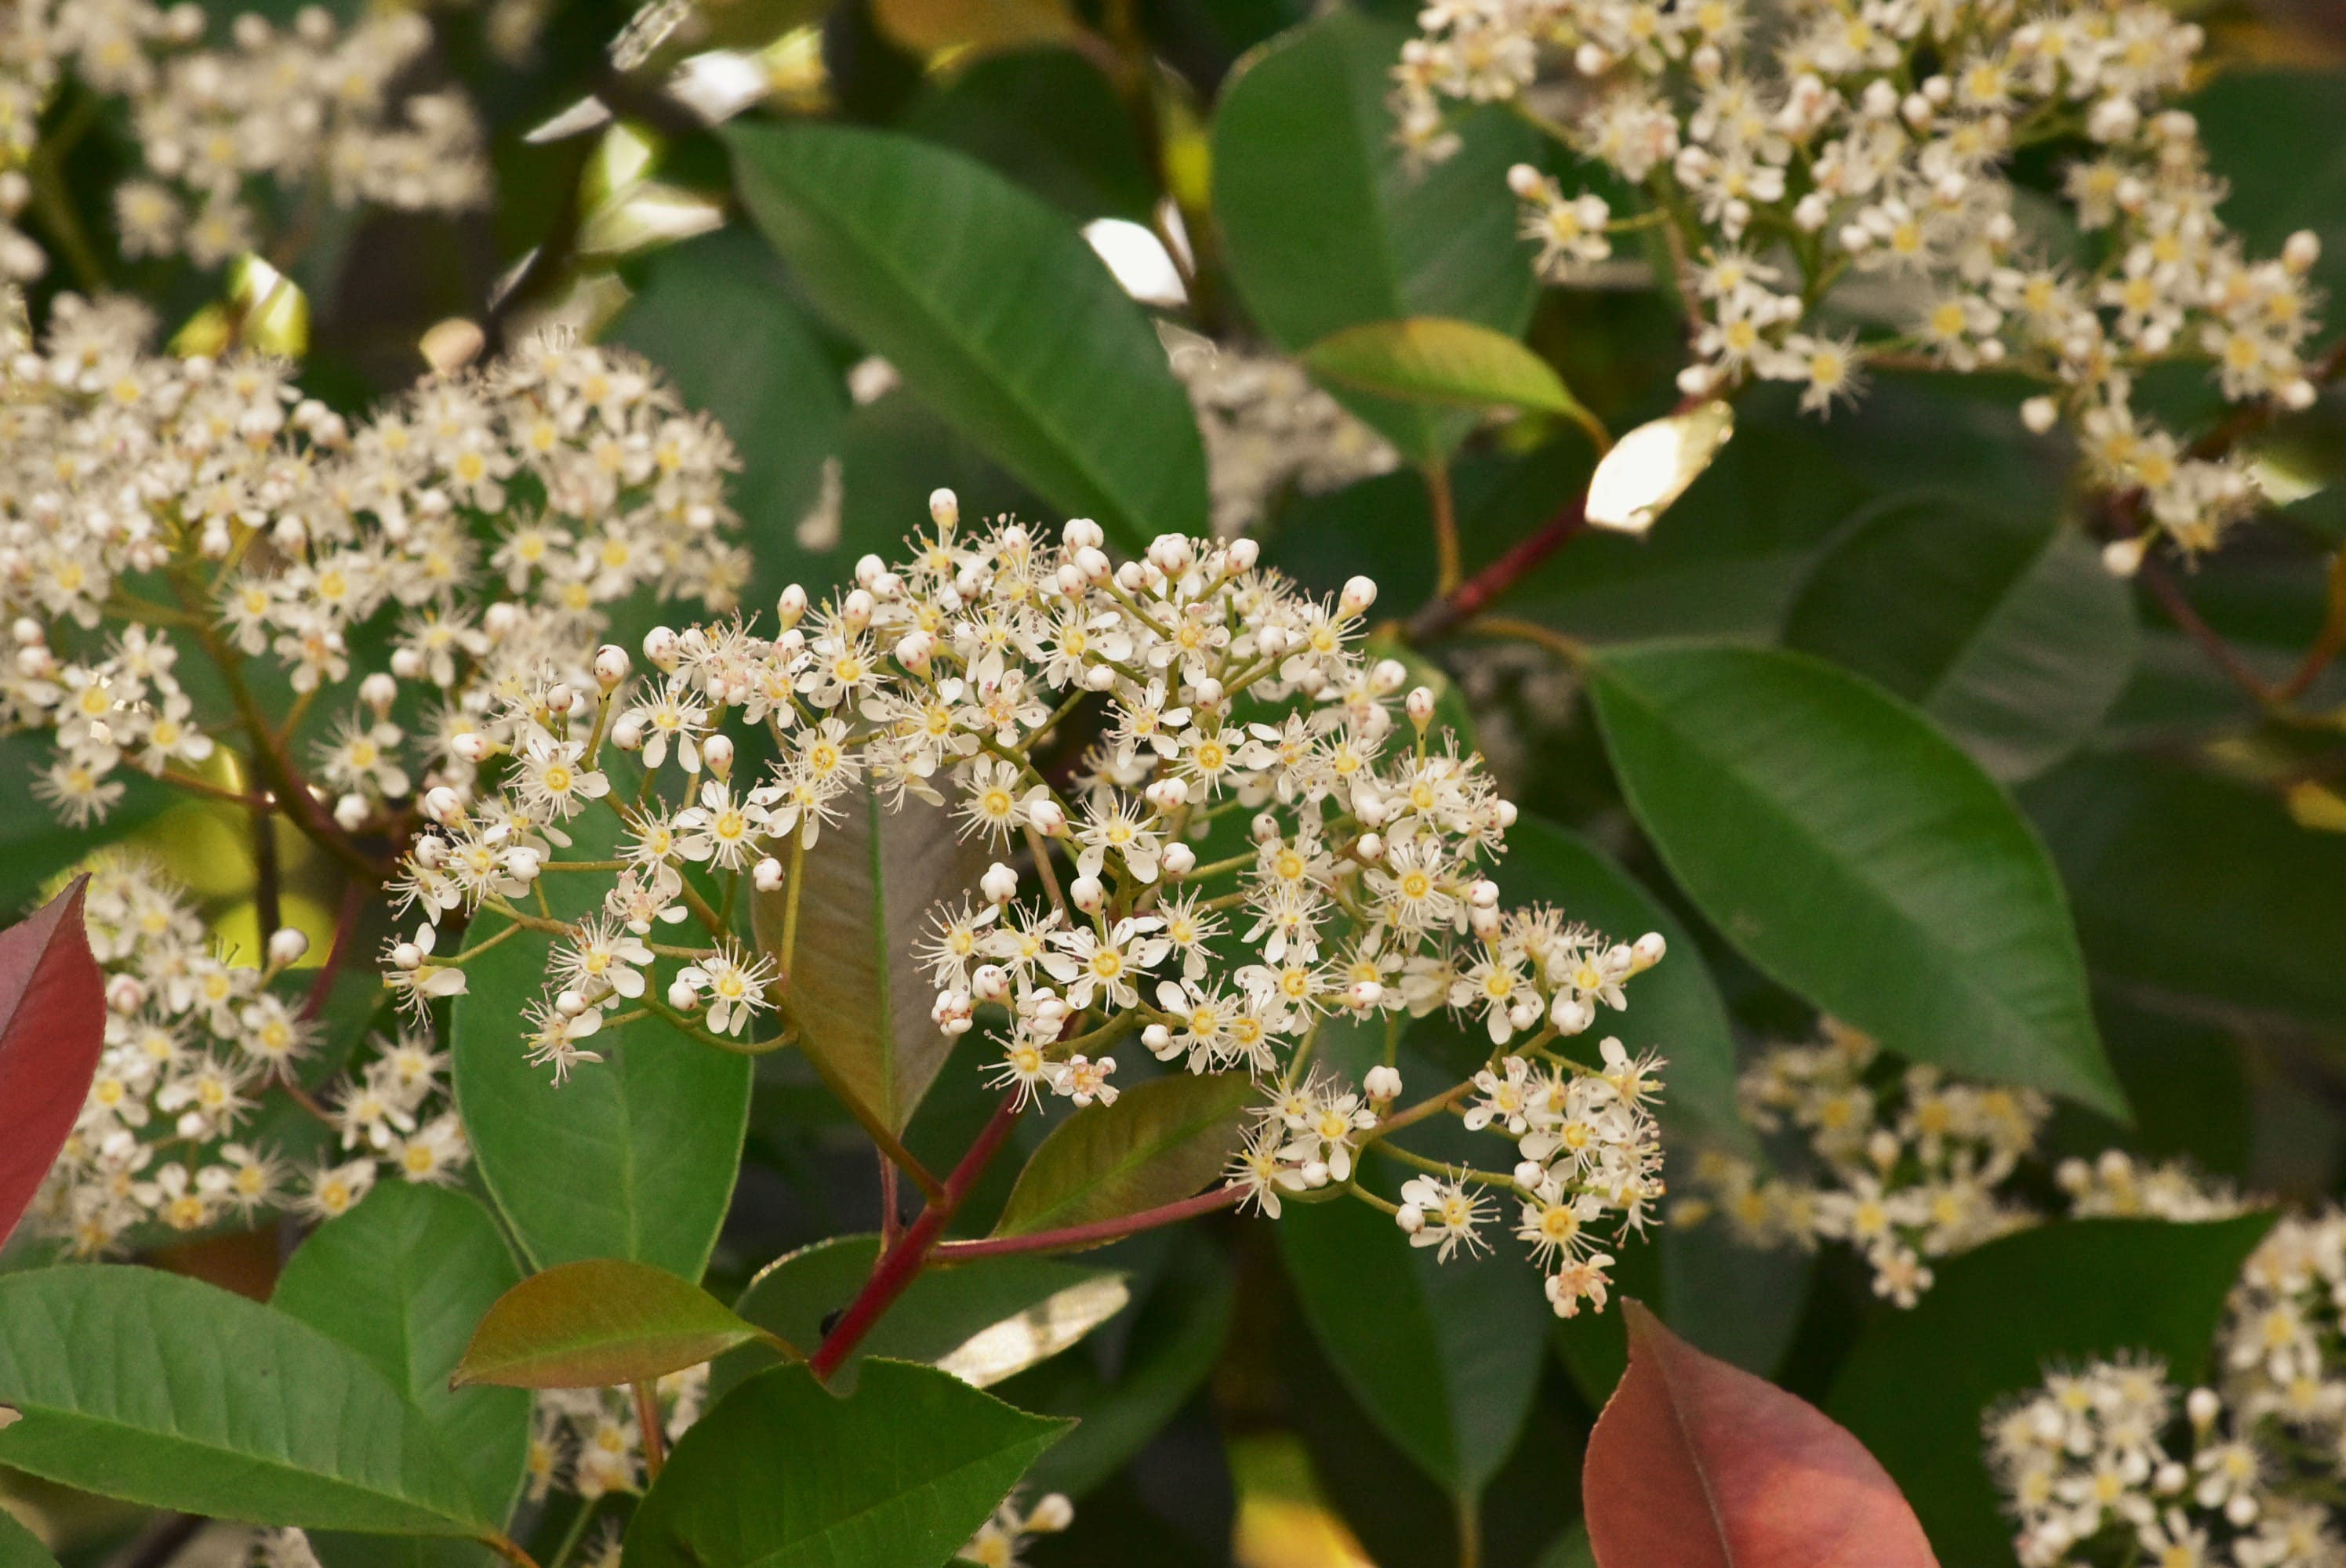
{"x": 1698, "y": 1464}
{"x": 52, "y": 1026}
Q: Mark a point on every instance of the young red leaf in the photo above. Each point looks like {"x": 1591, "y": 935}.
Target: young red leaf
{"x": 1698, "y": 1464}
{"x": 52, "y": 1026}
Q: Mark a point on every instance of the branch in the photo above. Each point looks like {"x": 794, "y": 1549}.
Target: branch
{"x": 1099, "y": 1233}
{"x": 901, "y": 1263}
{"x": 1445, "y": 615}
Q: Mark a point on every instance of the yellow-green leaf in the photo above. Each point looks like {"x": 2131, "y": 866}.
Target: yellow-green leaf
{"x": 594, "y": 1324}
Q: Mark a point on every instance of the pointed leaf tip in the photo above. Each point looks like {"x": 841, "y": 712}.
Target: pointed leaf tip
{"x": 52, "y": 1029}
{"x": 1699, "y": 1464}
{"x": 597, "y": 1324}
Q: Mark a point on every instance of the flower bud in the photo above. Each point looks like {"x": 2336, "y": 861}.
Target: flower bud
{"x": 990, "y": 983}
{"x": 1570, "y": 1015}
{"x": 406, "y": 956}
{"x": 767, "y": 875}
{"x": 523, "y": 863}
{"x": 406, "y": 664}
{"x": 2203, "y": 1407}
{"x": 2123, "y": 557}
{"x": 1648, "y": 950}
{"x": 627, "y": 735}
{"x": 1094, "y": 564}
{"x": 915, "y": 650}
{"x": 125, "y": 993}
{"x": 1359, "y": 593}
{"x": 1383, "y": 1083}
{"x": 442, "y": 805}
{"x": 2169, "y": 1479}
{"x": 1482, "y": 893}
{"x": 1082, "y": 533}
{"x": 1363, "y": 995}
{"x": 1099, "y": 677}
{"x": 1132, "y": 577}
{"x": 569, "y": 1003}
{"x": 2301, "y": 251}
{"x": 1159, "y": 1041}
{"x": 1051, "y": 1515}
{"x": 1314, "y": 1173}
{"x": 1529, "y": 1174}
{"x": 1166, "y": 794}
{"x": 1048, "y": 819}
{"x": 791, "y": 607}
{"x": 1524, "y": 181}
{"x": 286, "y": 945}
{"x": 1369, "y": 849}
{"x": 1483, "y": 922}
{"x": 1411, "y": 1218}
{"x": 379, "y": 691}
{"x": 681, "y": 996}
{"x": 1178, "y": 862}
{"x": 2039, "y": 414}
{"x": 350, "y": 812}
{"x": 999, "y": 884}
{"x": 1242, "y": 554}
{"x": 856, "y": 610}
{"x": 661, "y": 646}
{"x": 1169, "y": 554}
{"x": 470, "y": 744}
{"x": 944, "y": 508}
{"x": 610, "y": 665}
{"x": 1418, "y": 705}
{"x": 1087, "y": 895}
{"x": 716, "y": 751}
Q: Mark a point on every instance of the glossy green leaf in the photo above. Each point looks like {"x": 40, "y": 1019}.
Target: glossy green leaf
{"x": 1440, "y": 360}
{"x": 2006, "y": 629}
{"x": 1674, "y": 1007}
{"x": 994, "y": 311}
{"x": 1122, "y": 1390}
{"x": 635, "y": 1156}
{"x": 1327, "y": 223}
{"x": 1049, "y": 119}
{"x": 163, "y": 1390}
{"x": 19, "y": 1547}
{"x": 782, "y": 1474}
{"x": 859, "y": 997}
{"x": 1917, "y": 1384}
{"x": 1856, "y": 855}
{"x": 1444, "y": 1357}
{"x": 983, "y": 1322}
{"x": 1569, "y": 1550}
{"x": 2199, "y": 893}
{"x": 1160, "y": 1142}
{"x": 597, "y": 1323}
{"x": 713, "y": 313}
{"x": 401, "y": 1278}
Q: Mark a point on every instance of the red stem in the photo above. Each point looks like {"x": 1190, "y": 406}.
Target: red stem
{"x": 346, "y": 925}
{"x": 901, "y": 1264}
{"x": 1462, "y": 604}
{"x": 1098, "y": 1234}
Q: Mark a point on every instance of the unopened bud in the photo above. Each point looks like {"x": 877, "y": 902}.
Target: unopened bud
{"x": 1524, "y": 180}
{"x": 999, "y": 884}
{"x": 1048, "y": 819}
{"x": 1359, "y": 593}
{"x": 1051, "y": 1515}
{"x": 470, "y": 744}
{"x": 126, "y": 994}
{"x": 1383, "y": 1083}
{"x": 1087, "y": 895}
{"x": 1570, "y": 1015}
{"x": 681, "y": 995}
{"x": 1411, "y": 1218}
{"x": 1647, "y": 950}
{"x": 716, "y": 751}
{"x": 944, "y": 508}
{"x": 569, "y": 1003}
{"x": 990, "y": 983}
{"x": 2039, "y": 414}
{"x": 1418, "y": 705}
{"x": 350, "y": 812}
{"x": 627, "y": 735}
{"x": 379, "y": 691}
{"x": 1363, "y": 995}
{"x": 661, "y": 646}
{"x": 2301, "y": 251}
{"x": 1242, "y": 554}
{"x": 1178, "y": 862}
{"x": 766, "y": 876}
{"x": 914, "y": 650}
{"x": 442, "y": 805}
{"x": 610, "y": 665}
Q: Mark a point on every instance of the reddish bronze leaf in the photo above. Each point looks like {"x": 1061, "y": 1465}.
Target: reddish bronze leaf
{"x": 1698, "y": 1464}
{"x": 52, "y": 1025}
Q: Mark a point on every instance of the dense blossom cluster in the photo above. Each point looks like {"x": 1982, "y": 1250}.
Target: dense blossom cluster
{"x": 194, "y": 1043}
{"x": 1347, "y": 877}
{"x": 590, "y": 1442}
{"x": 2099, "y": 1468}
{"x": 1267, "y": 428}
{"x": 311, "y": 108}
{"x": 1871, "y": 138}
{"x": 1907, "y": 1165}
{"x": 151, "y": 505}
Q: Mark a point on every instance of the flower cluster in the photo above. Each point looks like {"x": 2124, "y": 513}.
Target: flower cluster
{"x": 193, "y": 1045}
{"x": 2101, "y": 1467}
{"x": 311, "y": 108}
{"x": 151, "y": 504}
{"x": 2284, "y": 1349}
{"x": 1346, "y": 877}
{"x": 1267, "y": 427}
{"x": 1874, "y": 138}
{"x": 1905, "y": 1164}
{"x": 589, "y": 1442}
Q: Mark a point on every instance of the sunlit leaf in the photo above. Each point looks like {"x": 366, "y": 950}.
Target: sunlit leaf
{"x": 597, "y": 1323}
{"x": 1652, "y": 466}
{"x": 1699, "y": 1464}
{"x": 1160, "y": 1142}
{"x": 1435, "y": 359}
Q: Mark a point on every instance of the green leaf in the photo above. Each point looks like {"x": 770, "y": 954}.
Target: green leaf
{"x": 1673, "y": 1007}
{"x": 784, "y": 1474}
{"x": 34, "y": 845}
{"x": 401, "y": 1278}
{"x": 1124, "y": 1390}
{"x": 1438, "y": 360}
{"x": 19, "y": 1547}
{"x": 714, "y": 313}
{"x": 994, "y": 311}
{"x": 1444, "y": 1357}
{"x": 1327, "y": 224}
{"x": 2006, "y": 629}
{"x": 1569, "y": 1550}
{"x": 858, "y": 995}
{"x": 635, "y": 1156}
{"x": 1048, "y": 119}
{"x": 982, "y": 1321}
{"x": 1856, "y": 855}
{"x": 1160, "y": 1142}
{"x": 2196, "y": 892}
{"x": 1918, "y": 1383}
{"x": 595, "y": 1324}
{"x": 168, "y": 1391}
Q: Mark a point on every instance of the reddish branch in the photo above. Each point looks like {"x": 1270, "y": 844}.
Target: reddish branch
{"x": 902, "y": 1263}
{"x": 1462, "y": 604}
{"x": 1099, "y": 1233}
